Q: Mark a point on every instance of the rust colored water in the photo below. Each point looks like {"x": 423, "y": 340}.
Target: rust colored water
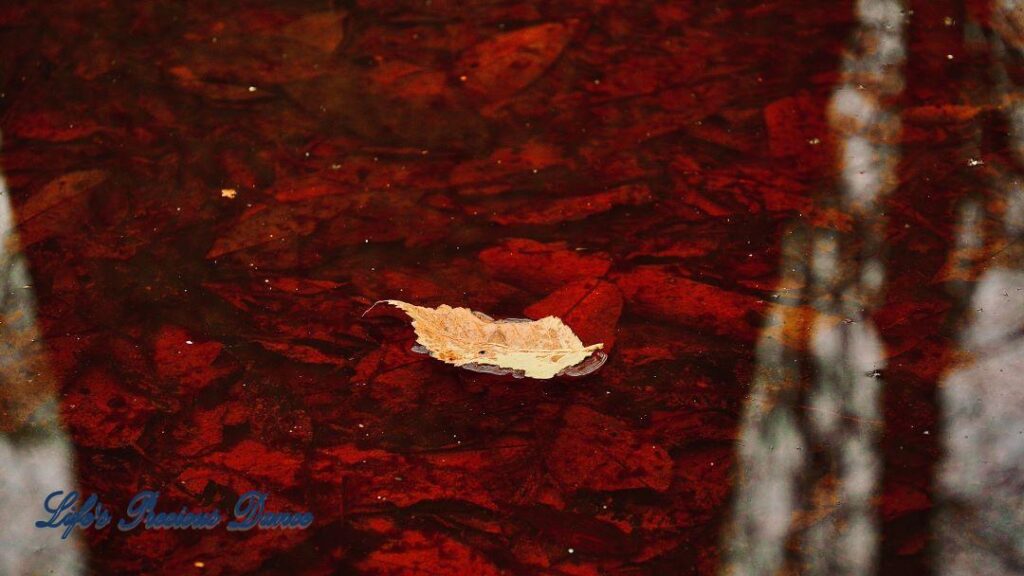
{"x": 210, "y": 195}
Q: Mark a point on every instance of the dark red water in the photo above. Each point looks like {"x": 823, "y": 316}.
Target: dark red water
{"x": 626, "y": 166}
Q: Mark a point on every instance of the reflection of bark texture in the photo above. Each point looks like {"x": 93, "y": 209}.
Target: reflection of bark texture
{"x": 980, "y": 520}
{"x": 808, "y": 461}
{"x": 26, "y": 386}
{"x": 35, "y": 455}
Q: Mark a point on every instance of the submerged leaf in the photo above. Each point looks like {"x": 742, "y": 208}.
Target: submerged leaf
{"x": 503, "y": 65}
{"x": 535, "y": 348}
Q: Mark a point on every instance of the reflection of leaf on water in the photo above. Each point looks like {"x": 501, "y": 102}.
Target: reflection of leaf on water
{"x": 535, "y": 348}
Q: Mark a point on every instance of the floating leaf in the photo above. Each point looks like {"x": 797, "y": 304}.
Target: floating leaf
{"x": 535, "y": 348}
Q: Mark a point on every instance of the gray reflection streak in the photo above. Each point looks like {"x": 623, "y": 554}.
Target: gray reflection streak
{"x": 980, "y": 519}
{"x": 35, "y": 455}
{"x": 808, "y": 457}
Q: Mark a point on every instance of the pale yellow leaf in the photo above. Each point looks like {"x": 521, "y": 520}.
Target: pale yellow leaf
{"x": 535, "y": 348}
